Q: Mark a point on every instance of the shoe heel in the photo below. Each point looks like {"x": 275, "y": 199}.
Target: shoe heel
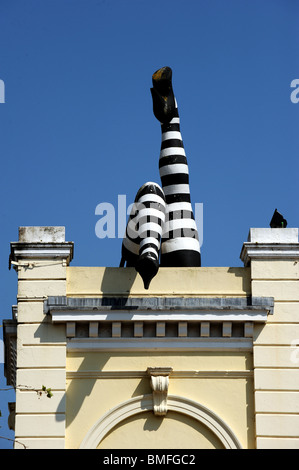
{"x": 147, "y": 266}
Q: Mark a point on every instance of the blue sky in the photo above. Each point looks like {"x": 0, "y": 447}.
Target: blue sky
{"x": 77, "y": 127}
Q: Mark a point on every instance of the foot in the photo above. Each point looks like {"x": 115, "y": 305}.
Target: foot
{"x": 162, "y": 94}
{"x": 147, "y": 266}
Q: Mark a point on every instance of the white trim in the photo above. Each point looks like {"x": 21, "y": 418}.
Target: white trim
{"x": 176, "y": 374}
{"x": 252, "y": 251}
{"x": 43, "y": 252}
{"x": 165, "y": 344}
{"x": 175, "y": 403}
{"x": 62, "y": 316}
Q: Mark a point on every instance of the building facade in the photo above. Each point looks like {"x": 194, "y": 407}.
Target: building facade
{"x": 205, "y": 358}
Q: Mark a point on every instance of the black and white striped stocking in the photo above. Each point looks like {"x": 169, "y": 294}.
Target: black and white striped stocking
{"x": 180, "y": 244}
{"x": 141, "y": 244}
{"x": 166, "y": 212}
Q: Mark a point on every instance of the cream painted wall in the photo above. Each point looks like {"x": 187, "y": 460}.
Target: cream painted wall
{"x": 276, "y": 357}
{"x": 41, "y": 357}
{"x": 176, "y": 431}
{"x": 253, "y": 393}
{"x": 230, "y": 397}
{"x": 98, "y": 281}
{"x": 207, "y": 378}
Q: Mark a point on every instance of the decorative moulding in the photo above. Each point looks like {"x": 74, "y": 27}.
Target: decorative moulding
{"x": 41, "y": 243}
{"x": 41, "y": 251}
{"x": 138, "y": 405}
{"x": 270, "y": 243}
{"x": 64, "y": 309}
{"x": 159, "y": 377}
{"x": 179, "y": 323}
{"x": 267, "y": 251}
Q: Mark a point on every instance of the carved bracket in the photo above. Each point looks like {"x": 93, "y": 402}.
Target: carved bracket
{"x": 159, "y": 377}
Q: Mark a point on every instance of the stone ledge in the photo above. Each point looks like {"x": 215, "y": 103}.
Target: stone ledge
{"x": 60, "y": 303}
{"x": 269, "y": 244}
{"x": 41, "y": 243}
{"x": 268, "y": 251}
{"x": 21, "y": 250}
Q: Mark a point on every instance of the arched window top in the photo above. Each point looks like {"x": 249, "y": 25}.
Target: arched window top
{"x": 175, "y": 403}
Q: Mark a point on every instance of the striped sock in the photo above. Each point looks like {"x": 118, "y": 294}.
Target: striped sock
{"x": 180, "y": 245}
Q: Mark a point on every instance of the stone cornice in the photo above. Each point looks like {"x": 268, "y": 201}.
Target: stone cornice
{"x": 238, "y": 309}
{"x": 62, "y": 306}
{"x": 267, "y": 251}
{"x": 270, "y": 244}
{"x": 24, "y": 250}
{"x": 41, "y": 243}
{"x": 158, "y": 323}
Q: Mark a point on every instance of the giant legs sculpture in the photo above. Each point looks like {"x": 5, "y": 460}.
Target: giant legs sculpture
{"x": 162, "y": 221}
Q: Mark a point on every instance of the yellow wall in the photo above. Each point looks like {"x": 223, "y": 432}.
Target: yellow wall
{"x": 221, "y": 382}
{"x": 276, "y": 355}
{"x": 187, "y": 282}
{"x": 147, "y": 431}
{"x": 255, "y": 393}
{"x": 41, "y": 357}
{"x": 99, "y": 381}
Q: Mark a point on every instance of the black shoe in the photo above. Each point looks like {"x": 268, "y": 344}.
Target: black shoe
{"x": 162, "y": 94}
{"x": 147, "y": 266}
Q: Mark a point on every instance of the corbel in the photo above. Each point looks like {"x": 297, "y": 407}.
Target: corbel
{"x": 159, "y": 377}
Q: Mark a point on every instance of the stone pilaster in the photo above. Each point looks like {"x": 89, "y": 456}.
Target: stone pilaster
{"x": 40, "y": 258}
{"x": 273, "y": 256}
